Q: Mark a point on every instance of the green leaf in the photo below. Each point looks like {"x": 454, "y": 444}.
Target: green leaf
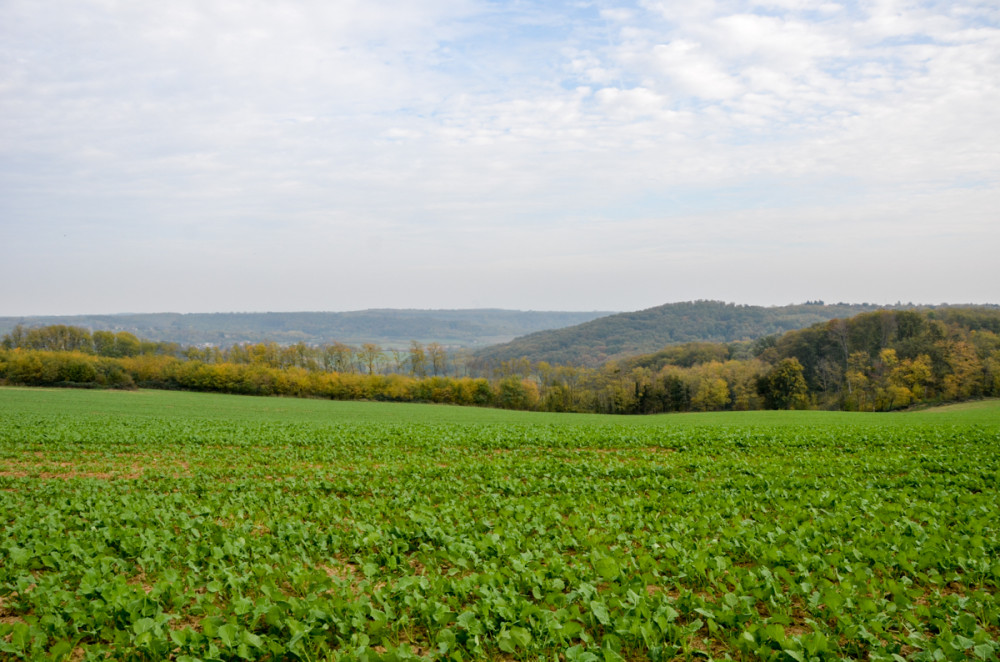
{"x": 982, "y": 651}
{"x": 795, "y": 655}
{"x": 505, "y": 643}
{"x": 607, "y": 567}
{"x": 832, "y": 599}
{"x": 600, "y": 612}
{"x": 611, "y": 656}
{"x": 521, "y": 636}
{"x": 445, "y": 640}
{"x": 21, "y": 635}
{"x": 227, "y": 634}
{"x": 210, "y": 625}
{"x": 143, "y": 625}
{"x": 251, "y": 639}
{"x": 180, "y": 637}
{"x": 963, "y": 643}
{"x": 19, "y": 556}
{"x": 967, "y": 622}
{"x": 60, "y": 649}
{"x": 578, "y": 654}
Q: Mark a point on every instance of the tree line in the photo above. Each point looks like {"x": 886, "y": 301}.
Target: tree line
{"x": 369, "y": 358}
{"x": 877, "y": 361}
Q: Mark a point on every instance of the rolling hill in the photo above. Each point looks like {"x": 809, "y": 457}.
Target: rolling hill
{"x": 617, "y": 336}
{"x": 386, "y": 327}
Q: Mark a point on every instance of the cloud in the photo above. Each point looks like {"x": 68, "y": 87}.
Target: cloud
{"x": 465, "y": 130}
{"x": 633, "y": 103}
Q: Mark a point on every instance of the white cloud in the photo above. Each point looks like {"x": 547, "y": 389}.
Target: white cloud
{"x": 631, "y": 104}
{"x": 789, "y": 45}
{"x": 694, "y": 70}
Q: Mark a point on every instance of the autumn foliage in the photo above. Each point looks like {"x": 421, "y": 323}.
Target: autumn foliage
{"x": 876, "y": 361}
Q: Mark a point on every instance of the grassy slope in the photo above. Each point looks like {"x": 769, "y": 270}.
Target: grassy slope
{"x": 246, "y": 408}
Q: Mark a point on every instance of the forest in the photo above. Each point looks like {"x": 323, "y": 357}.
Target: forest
{"x": 876, "y": 361}
{"x": 387, "y": 327}
{"x": 622, "y": 335}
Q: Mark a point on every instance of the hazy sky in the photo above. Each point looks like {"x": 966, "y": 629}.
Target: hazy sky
{"x": 253, "y": 155}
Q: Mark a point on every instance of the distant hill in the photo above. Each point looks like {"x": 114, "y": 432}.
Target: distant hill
{"x": 387, "y": 327}
{"x": 646, "y": 331}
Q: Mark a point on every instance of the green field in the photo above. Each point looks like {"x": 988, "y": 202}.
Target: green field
{"x": 156, "y": 525}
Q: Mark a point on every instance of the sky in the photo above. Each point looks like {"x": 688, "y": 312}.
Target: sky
{"x": 270, "y": 155}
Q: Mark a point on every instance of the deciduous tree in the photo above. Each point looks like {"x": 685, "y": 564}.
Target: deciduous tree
{"x": 784, "y": 386}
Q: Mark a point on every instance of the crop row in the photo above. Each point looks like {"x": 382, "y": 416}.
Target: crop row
{"x": 152, "y": 538}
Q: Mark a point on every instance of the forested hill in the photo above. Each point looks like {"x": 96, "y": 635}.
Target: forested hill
{"x": 385, "y": 327}
{"x": 616, "y": 336}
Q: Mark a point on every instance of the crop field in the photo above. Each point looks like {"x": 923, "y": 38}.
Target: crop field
{"x": 155, "y": 525}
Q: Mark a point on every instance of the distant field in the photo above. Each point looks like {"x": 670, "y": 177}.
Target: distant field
{"x": 160, "y": 525}
{"x": 236, "y": 407}
{"x": 988, "y": 408}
